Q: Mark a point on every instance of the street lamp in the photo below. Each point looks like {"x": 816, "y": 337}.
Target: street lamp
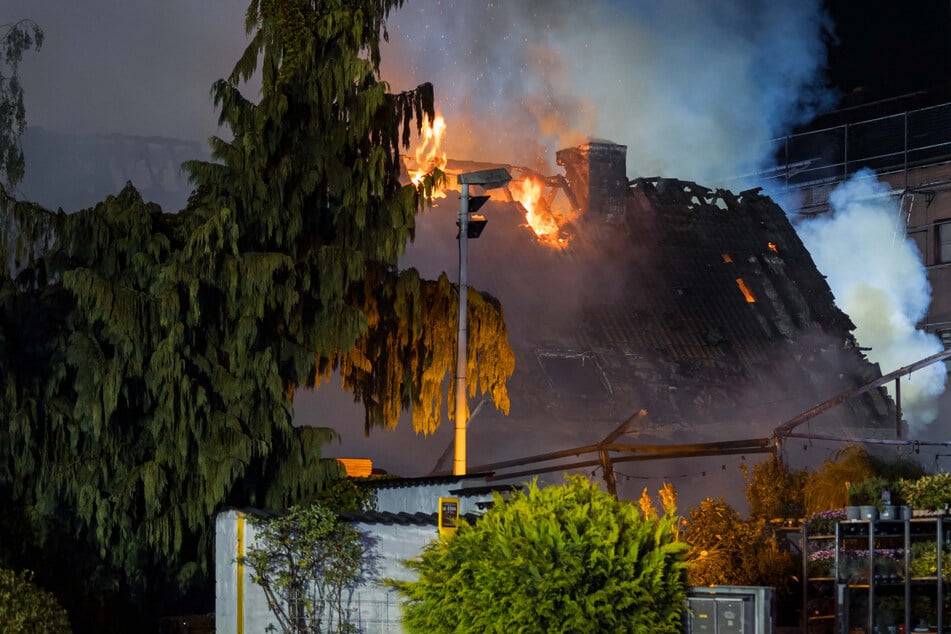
{"x": 487, "y": 179}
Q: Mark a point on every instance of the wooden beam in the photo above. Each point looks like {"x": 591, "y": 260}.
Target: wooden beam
{"x": 788, "y": 426}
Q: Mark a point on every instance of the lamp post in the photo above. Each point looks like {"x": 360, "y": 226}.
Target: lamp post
{"x": 487, "y": 179}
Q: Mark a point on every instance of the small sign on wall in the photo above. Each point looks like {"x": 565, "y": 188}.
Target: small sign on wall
{"x": 448, "y": 515}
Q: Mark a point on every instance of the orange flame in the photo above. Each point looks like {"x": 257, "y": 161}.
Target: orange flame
{"x": 747, "y": 293}
{"x": 546, "y": 225}
{"x": 428, "y": 153}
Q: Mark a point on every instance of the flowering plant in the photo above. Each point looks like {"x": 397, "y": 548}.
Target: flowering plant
{"x": 821, "y": 563}
{"x": 888, "y": 562}
{"x": 823, "y": 522}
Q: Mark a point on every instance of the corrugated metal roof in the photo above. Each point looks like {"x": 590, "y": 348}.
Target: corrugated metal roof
{"x": 402, "y": 519}
{"x": 398, "y": 483}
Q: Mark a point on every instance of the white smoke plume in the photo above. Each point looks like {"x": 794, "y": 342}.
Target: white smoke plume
{"x": 695, "y": 90}
{"x": 876, "y": 275}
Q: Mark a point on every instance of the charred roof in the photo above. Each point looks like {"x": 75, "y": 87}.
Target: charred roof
{"x": 700, "y": 305}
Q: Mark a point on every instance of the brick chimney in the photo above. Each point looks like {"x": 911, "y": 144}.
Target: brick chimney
{"x": 597, "y": 174}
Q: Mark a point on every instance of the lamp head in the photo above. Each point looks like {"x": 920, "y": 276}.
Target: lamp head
{"x": 488, "y": 179}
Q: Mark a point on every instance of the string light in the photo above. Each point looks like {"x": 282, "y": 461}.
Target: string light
{"x": 697, "y": 474}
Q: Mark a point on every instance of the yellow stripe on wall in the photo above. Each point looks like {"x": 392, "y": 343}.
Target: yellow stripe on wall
{"x": 239, "y": 585}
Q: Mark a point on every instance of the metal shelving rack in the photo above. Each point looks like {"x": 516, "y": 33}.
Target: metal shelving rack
{"x": 874, "y": 534}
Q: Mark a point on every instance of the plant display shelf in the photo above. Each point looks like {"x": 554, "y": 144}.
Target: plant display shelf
{"x": 862, "y": 596}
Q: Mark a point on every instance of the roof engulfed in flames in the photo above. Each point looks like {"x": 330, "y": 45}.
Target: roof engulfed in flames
{"x": 533, "y": 192}
{"x": 428, "y": 153}
{"x": 538, "y": 215}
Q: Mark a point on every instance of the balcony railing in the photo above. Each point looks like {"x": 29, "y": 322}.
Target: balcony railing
{"x": 891, "y": 144}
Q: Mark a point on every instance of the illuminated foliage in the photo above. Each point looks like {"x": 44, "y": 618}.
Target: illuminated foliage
{"x": 827, "y": 487}
{"x": 568, "y": 558}
{"x": 728, "y": 550}
{"x": 149, "y": 360}
{"x": 26, "y": 608}
{"x": 774, "y": 490}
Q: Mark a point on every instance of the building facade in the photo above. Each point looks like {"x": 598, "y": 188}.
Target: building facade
{"x": 911, "y": 152}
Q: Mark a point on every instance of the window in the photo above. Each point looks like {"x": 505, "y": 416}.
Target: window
{"x": 920, "y": 238}
{"x": 944, "y": 242}
{"x": 945, "y": 336}
{"x": 576, "y": 375}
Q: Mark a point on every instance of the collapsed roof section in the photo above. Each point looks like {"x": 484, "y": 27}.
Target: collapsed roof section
{"x": 699, "y": 305}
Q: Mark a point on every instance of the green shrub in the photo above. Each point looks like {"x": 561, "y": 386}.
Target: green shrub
{"x": 868, "y": 492}
{"x": 774, "y": 490}
{"x": 566, "y": 558}
{"x": 25, "y": 608}
{"x": 930, "y": 492}
{"x": 924, "y": 560}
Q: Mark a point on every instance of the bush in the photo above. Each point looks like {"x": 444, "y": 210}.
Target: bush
{"x": 827, "y": 487}
{"x": 560, "y": 559}
{"x": 930, "y": 492}
{"x": 774, "y": 490}
{"x": 924, "y": 560}
{"x": 727, "y": 550}
{"x": 25, "y": 608}
{"x": 868, "y": 492}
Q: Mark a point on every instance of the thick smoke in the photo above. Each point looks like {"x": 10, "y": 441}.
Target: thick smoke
{"x": 876, "y": 275}
{"x": 695, "y": 90}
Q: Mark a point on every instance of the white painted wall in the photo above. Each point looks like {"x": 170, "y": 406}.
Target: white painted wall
{"x": 375, "y": 608}
{"x": 240, "y": 604}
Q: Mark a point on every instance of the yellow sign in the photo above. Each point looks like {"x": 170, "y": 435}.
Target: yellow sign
{"x": 448, "y": 515}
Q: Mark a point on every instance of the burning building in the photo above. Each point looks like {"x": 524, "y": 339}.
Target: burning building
{"x": 701, "y": 306}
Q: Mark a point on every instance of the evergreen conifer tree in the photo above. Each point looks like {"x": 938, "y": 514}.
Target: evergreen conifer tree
{"x": 148, "y": 360}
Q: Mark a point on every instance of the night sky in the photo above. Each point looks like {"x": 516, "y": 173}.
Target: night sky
{"x": 883, "y": 48}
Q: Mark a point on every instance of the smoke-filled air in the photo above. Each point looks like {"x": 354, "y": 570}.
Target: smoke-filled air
{"x": 876, "y": 275}
{"x": 695, "y": 90}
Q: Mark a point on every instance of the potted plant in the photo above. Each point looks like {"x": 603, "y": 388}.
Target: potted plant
{"x": 855, "y": 565}
{"x": 924, "y": 560}
{"x": 866, "y": 495}
{"x": 821, "y": 563}
{"x": 823, "y": 522}
{"x": 885, "y": 500}
{"x": 929, "y": 494}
